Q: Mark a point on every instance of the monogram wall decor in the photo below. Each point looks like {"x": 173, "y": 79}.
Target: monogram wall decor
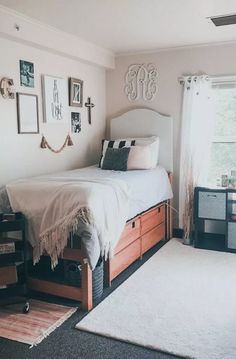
{"x": 141, "y": 82}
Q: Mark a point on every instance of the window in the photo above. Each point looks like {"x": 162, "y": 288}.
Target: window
{"x": 223, "y": 148}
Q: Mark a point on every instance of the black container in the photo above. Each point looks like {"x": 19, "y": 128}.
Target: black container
{"x": 73, "y": 277}
{"x": 73, "y": 273}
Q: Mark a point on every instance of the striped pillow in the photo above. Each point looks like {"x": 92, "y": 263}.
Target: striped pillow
{"x": 114, "y": 144}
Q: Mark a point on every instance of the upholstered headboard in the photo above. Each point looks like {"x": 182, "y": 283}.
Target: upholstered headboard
{"x": 143, "y": 123}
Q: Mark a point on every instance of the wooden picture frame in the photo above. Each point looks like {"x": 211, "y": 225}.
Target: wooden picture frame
{"x": 27, "y": 113}
{"x": 75, "y": 92}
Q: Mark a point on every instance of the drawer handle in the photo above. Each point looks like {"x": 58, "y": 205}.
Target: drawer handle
{"x": 212, "y": 195}
{"x": 133, "y": 224}
{"x": 158, "y": 209}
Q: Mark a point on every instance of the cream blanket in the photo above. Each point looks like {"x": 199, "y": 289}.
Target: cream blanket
{"x": 55, "y": 205}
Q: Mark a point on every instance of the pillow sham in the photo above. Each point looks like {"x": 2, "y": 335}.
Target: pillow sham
{"x": 140, "y": 158}
{"x": 116, "y": 159}
{"x": 114, "y": 144}
{"x": 154, "y": 141}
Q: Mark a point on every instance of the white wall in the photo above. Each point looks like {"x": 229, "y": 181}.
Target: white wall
{"x": 20, "y": 154}
{"x": 217, "y": 60}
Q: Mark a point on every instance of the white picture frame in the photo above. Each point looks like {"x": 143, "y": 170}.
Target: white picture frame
{"x": 27, "y": 113}
{"x": 55, "y": 99}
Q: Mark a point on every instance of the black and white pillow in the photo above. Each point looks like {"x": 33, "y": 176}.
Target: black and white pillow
{"x": 114, "y": 144}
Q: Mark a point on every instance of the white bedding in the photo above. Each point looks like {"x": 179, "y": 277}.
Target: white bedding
{"x": 56, "y": 206}
{"x": 146, "y": 187}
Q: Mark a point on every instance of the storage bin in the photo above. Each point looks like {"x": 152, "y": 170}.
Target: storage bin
{"x": 212, "y": 205}
{"x": 73, "y": 277}
{"x": 231, "y": 235}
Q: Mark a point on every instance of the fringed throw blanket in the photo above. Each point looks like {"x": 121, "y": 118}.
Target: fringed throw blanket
{"x": 57, "y": 205}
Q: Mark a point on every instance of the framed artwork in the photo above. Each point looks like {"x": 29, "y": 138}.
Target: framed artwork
{"x": 76, "y": 92}
{"x": 75, "y": 122}
{"x": 54, "y": 99}
{"x": 26, "y": 73}
{"x": 27, "y": 113}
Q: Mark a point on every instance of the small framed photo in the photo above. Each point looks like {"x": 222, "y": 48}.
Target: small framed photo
{"x": 27, "y": 113}
{"x": 26, "y": 73}
{"x": 75, "y": 122}
{"x": 76, "y": 92}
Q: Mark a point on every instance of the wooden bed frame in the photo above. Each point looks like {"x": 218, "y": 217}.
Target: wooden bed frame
{"x": 142, "y": 232}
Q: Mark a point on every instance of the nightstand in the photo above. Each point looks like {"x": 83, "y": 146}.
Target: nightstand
{"x": 214, "y": 219}
{"x": 13, "y": 264}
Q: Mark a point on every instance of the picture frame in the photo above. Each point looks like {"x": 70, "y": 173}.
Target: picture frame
{"x": 26, "y": 73}
{"x": 75, "y": 92}
{"x": 75, "y": 122}
{"x": 55, "y": 99}
{"x": 27, "y": 113}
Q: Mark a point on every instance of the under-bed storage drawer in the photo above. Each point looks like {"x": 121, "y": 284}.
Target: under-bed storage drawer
{"x": 153, "y": 237}
{"x": 152, "y": 219}
{"x": 131, "y": 232}
{"x": 124, "y": 258}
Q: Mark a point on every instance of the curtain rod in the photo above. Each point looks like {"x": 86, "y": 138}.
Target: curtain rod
{"x": 213, "y": 79}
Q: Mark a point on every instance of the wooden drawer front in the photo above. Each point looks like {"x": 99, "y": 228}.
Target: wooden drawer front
{"x": 8, "y": 275}
{"x": 152, "y": 219}
{"x": 130, "y": 233}
{"x": 153, "y": 237}
{"x": 124, "y": 258}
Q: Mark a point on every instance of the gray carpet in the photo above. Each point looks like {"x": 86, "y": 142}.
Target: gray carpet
{"x": 69, "y": 343}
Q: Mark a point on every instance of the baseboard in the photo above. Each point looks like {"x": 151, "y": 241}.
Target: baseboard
{"x": 178, "y": 233}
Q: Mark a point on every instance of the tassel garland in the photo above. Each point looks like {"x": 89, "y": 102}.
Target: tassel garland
{"x": 68, "y": 142}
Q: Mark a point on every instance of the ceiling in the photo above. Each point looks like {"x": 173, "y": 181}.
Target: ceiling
{"x": 134, "y": 25}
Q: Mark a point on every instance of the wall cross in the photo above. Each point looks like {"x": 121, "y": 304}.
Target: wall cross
{"x": 89, "y": 106}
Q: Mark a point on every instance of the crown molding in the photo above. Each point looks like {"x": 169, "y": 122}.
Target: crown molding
{"x": 175, "y": 48}
{"x": 46, "y": 37}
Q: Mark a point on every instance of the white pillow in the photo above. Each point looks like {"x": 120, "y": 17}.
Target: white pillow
{"x": 140, "y": 158}
{"x": 153, "y": 141}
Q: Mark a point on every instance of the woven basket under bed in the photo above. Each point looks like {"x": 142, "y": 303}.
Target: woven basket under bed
{"x": 73, "y": 277}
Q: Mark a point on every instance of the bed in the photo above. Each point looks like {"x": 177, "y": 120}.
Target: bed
{"x": 153, "y": 224}
{"x": 149, "y": 218}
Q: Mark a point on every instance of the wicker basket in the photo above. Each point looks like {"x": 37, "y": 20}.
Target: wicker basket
{"x": 73, "y": 277}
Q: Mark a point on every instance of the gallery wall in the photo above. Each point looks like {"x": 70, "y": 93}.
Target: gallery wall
{"x": 214, "y": 60}
{"x": 20, "y": 154}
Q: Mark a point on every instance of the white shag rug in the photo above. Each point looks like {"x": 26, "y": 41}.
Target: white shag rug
{"x": 181, "y": 301}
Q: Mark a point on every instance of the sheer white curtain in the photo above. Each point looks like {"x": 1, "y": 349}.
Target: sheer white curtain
{"x": 196, "y": 137}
